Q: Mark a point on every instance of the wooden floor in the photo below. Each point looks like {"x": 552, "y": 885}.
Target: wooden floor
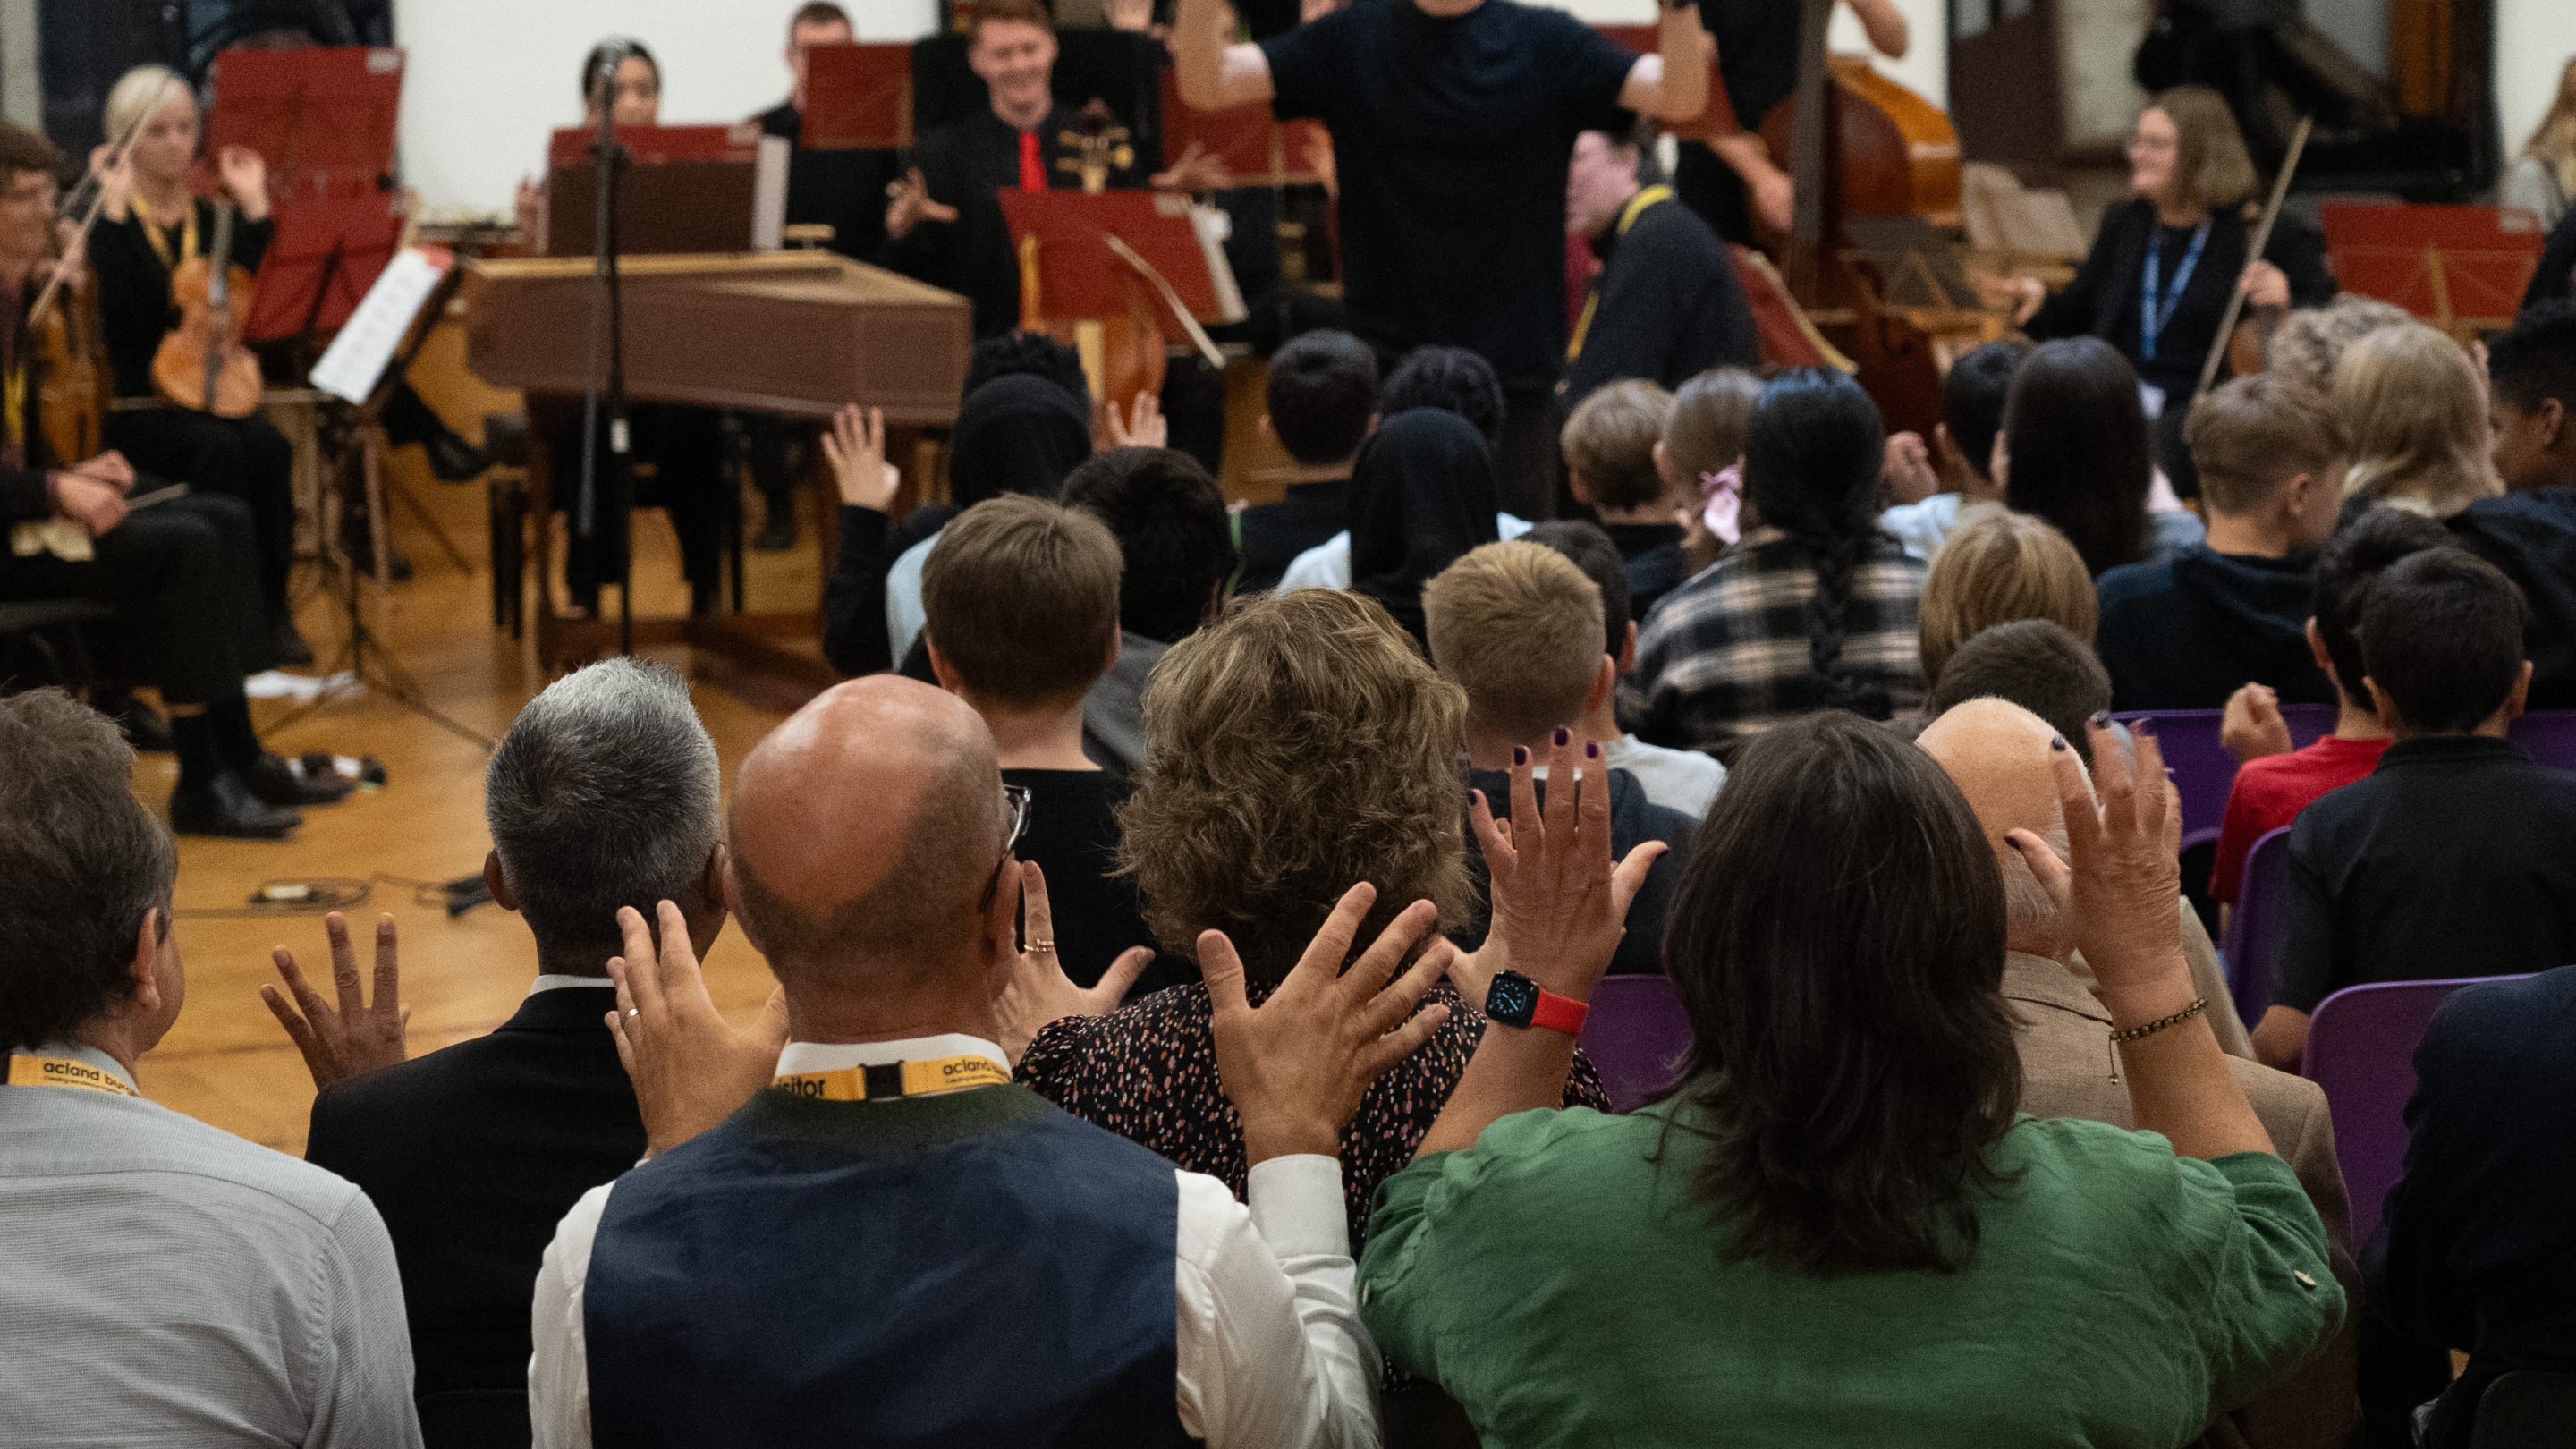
{"x": 227, "y": 1061}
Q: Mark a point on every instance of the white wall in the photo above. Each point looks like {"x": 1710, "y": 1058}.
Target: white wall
{"x": 2534, "y": 41}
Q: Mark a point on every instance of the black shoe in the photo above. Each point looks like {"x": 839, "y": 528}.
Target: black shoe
{"x": 455, "y": 460}
{"x": 144, "y": 728}
{"x": 286, "y": 646}
{"x": 227, "y": 806}
{"x": 705, "y": 601}
{"x": 778, "y": 535}
{"x": 278, "y": 783}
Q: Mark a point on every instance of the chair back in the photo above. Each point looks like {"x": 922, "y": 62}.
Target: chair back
{"x": 2527, "y": 1409}
{"x": 2361, "y": 1050}
{"x": 2202, "y": 768}
{"x": 475, "y": 1419}
{"x": 2254, "y": 930}
{"x": 1636, "y": 1037}
{"x": 2550, "y": 735}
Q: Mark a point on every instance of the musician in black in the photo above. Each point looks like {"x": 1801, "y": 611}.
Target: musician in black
{"x": 1735, "y": 180}
{"x": 150, "y": 223}
{"x": 1666, "y": 304}
{"x": 177, "y": 573}
{"x": 2157, "y": 281}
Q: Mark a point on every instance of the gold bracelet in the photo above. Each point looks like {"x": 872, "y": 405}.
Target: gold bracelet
{"x": 2198, "y": 1005}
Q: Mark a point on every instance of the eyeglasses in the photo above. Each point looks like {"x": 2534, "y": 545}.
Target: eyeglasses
{"x": 1015, "y": 799}
{"x": 2152, "y": 143}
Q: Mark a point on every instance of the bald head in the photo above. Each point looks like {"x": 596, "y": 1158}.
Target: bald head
{"x": 1998, "y": 754}
{"x": 863, "y": 829}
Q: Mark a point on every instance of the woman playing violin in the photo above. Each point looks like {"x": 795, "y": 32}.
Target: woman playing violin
{"x": 151, "y": 222}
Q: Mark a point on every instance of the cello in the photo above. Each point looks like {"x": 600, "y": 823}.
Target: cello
{"x": 1123, "y": 356}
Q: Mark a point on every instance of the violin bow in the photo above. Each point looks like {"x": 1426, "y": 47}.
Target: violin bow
{"x": 98, "y": 201}
{"x": 2253, "y": 253}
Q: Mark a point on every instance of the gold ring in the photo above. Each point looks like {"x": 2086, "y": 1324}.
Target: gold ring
{"x": 1047, "y": 946}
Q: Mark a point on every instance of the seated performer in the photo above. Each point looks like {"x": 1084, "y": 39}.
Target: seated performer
{"x": 1666, "y": 305}
{"x": 148, "y": 225}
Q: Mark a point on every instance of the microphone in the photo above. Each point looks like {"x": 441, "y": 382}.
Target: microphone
{"x": 605, "y": 59}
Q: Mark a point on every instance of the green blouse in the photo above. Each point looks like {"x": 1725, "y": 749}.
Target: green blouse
{"x": 1562, "y": 1283}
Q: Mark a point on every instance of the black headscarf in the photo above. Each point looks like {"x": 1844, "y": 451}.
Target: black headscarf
{"x": 1421, "y": 495}
{"x": 1019, "y": 433}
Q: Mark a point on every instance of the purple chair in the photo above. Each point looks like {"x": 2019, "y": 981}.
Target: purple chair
{"x": 2361, "y": 1050}
{"x": 1636, "y": 1037}
{"x": 2201, "y": 766}
{"x": 2550, "y": 735}
{"x": 2254, "y": 930}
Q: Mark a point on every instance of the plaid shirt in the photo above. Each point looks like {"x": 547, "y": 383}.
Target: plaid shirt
{"x": 1726, "y": 655}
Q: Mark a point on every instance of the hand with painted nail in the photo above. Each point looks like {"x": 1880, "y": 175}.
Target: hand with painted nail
{"x": 1557, "y": 896}
{"x": 2122, "y": 883}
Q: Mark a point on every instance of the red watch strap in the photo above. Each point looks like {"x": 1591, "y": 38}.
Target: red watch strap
{"x": 1560, "y": 1013}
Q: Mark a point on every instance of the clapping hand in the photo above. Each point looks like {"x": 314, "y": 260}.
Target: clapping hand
{"x": 2124, "y": 883}
{"x": 1143, "y": 427}
{"x": 1037, "y": 991}
{"x": 2252, "y": 727}
{"x": 1198, "y": 169}
{"x": 908, "y": 205}
{"x": 690, "y": 1068}
{"x": 360, "y": 1035}
{"x": 855, "y": 447}
{"x": 1556, "y": 896}
{"x": 1296, "y": 1067}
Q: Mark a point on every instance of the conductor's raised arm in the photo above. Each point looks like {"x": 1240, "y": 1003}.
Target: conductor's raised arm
{"x": 1672, "y": 84}
{"x": 1214, "y": 71}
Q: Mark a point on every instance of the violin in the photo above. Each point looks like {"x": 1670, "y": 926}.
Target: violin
{"x": 201, "y": 364}
{"x": 71, "y": 400}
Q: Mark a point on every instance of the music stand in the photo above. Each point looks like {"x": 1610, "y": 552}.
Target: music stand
{"x": 1091, "y": 256}
{"x": 857, "y": 98}
{"x": 2462, "y": 268}
{"x": 322, "y": 118}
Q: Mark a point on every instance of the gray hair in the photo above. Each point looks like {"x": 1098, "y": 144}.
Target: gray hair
{"x": 81, "y": 862}
{"x": 604, "y": 794}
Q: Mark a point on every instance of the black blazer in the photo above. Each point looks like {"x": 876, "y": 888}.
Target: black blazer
{"x": 2102, "y": 301}
{"x": 1666, "y": 306}
{"x": 472, "y": 1154}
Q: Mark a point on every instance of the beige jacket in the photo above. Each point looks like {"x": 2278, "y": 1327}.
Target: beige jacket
{"x": 2069, "y": 1069}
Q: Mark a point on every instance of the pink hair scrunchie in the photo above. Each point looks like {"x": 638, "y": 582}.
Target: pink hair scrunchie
{"x": 1721, "y": 502}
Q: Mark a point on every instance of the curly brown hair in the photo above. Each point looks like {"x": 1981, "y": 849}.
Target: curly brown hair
{"x": 1295, "y": 748}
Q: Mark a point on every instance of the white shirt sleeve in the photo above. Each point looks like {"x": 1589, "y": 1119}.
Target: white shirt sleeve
{"x": 1269, "y": 1339}
{"x": 559, "y": 1370}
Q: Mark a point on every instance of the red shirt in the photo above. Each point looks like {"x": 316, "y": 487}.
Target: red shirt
{"x": 2270, "y": 792}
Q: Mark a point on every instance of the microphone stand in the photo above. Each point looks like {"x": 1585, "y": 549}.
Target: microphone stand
{"x": 607, "y": 346}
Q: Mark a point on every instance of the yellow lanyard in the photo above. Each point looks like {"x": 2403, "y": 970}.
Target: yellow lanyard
{"x": 896, "y": 1079}
{"x": 13, "y": 396}
{"x": 65, "y": 1072}
{"x": 160, "y": 239}
{"x": 1592, "y": 301}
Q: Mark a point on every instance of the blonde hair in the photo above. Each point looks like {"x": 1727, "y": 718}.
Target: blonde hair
{"x": 2416, "y": 415}
{"x": 2256, "y": 433}
{"x": 2211, "y": 167}
{"x": 1609, "y": 443}
{"x": 2553, "y": 141}
{"x": 1519, "y": 627}
{"x": 2311, "y": 340}
{"x": 1996, "y": 567}
{"x": 138, "y": 93}
{"x": 1294, "y": 748}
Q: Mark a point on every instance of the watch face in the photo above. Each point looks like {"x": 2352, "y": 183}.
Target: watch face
{"x": 1511, "y": 999}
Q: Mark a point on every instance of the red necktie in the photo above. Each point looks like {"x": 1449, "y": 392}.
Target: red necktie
{"x": 1032, "y": 170}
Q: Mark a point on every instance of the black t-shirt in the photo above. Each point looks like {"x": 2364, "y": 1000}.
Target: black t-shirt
{"x": 1452, "y": 135}
{"x": 2456, "y": 857}
{"x": 1757, "y": 53}
{"x": 1271, "y": 536}
{"x": 1072, "y": 835}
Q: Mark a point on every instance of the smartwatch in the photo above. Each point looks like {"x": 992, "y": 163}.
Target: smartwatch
{"x": 1516, "y": 1000}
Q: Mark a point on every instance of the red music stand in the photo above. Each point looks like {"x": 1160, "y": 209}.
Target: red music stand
{"x": 326, "y": 253}
{"x": 1082, "y": 275}
{"x": 2462, "y": 268}
{"x": 1716, "y": 119}
{"x": 1257, "y": 148}
{"x": 857, "y": 98}
{"x": 323, "y": 121}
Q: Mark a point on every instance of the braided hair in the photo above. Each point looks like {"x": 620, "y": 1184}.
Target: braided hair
{"x": 1811, "y": 463}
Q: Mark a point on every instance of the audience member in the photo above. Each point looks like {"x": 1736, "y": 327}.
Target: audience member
{"x": 2530, "y": 533}
{"x": 2553, "y": 279}
{"x": 1423, "y": 495}
{"x": 2475, "y": 1246}
{"x": 1666, "y": 303}
{"x": 1998, "y": 756}
{"x": 1451, "y": 379}
{"x": 2542, "y": 179}
{"x": 1610, "y": 444}
{"x": 2276, "y": 782}
{"x": 1839, "y": 1224}
{"x": 2033, "y": 663}
{"x": 1322, "y": 399}
{"x": 603, "y": 794}
{"x": 1518, "y": 628}
{"x": 1814, "y": 609}
{"x": 2184, "y": 632}
{"x": 1299, "y": 744}
{"x": 1022, "y": 599}
{"x": 2457, "y": 856}
{"x": 2075, "y": 449}
{"x": 707, "y": 1295}
{"x": 2415, "y": 417}
{"x": 2310, "y": 341}
{"x": 1963, "y": 443}
{"x": 167, "y": 1283}
{"x": 1176, "y": 551}
{"x": 1683, "y": 780}
{"x": 1998, "y": 566}
{"x": 1701, "y": 457}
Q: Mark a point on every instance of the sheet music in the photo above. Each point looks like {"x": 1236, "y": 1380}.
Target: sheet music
{"x": 356, "y": 359}
{"x": 769, "y": 194}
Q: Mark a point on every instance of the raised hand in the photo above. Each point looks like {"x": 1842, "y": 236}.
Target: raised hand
{"x": 2123, "y": 885}
{"x": 855, "y": 447}
{"x": 1133, "y": 15}
{"x": 2265, "y": 285}
{"x": 1556, "y": 896}
{"x": 908, "y": 205}
{"x": 1037, "y": 991}
{"x": 1906, "y": 473}
{"x": 1198, "y": 169}
{"x": 360, "y": 1035}
{"x": 2252, "y": 727}
{"x": 115, "y": 175}
{"x": 245, "y": 176}
{"x": 93, "y": 503}
{"x": 1296, "y": 1067}
{"x": 690, "y": 1068}
{"x": 1144, "y": 426}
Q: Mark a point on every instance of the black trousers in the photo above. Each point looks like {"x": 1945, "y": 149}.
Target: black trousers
{"x": 244, "y": 458}
{"x": 779, "y": 450}
{"x": 178, "y": 575}
{"x": 1707, "y": 185}
{"x": 1526, "y": 462}
{"x": 684, "y": 448}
